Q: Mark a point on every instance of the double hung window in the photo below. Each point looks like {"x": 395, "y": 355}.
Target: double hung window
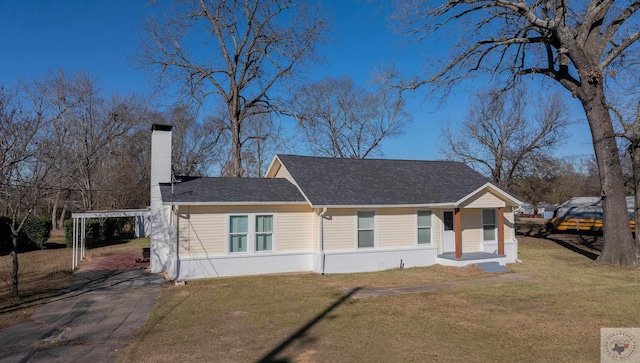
{"x": 251, "y": 233}
{"x": 424, "y": 227}
{"x": 366, "y": 229}
{"x": 489, "y": 224}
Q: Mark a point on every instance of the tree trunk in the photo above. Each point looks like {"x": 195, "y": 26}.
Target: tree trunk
{"x": 618, "y": 246}
{"x": 634, "y": 150}
{"x": 15, "y": 269}
{"x": 236, "y": 151}
{"x": 63, "y": 216}
{"x": 54, "y": 212}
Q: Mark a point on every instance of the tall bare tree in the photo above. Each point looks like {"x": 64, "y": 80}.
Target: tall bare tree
{"x": 339, "y": 119}
{"x": 580, "y": 45}
{"x": 23, "y": 176}
{"x": 237, "y": 50}
{"x": 629, "y": 118}
{"x": 505, "y": 131}
{"x": 89, "y": 129}
{"x": 197, "y": 144}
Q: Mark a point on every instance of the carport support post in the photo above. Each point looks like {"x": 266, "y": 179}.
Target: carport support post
{"x": 84, "y": 233}
{"x": 458, "y": 232}
{"x": 74, "y": 243}
{"x": 501, "y": 231}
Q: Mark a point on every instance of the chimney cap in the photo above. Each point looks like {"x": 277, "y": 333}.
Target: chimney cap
{"x": 160, "y": 127}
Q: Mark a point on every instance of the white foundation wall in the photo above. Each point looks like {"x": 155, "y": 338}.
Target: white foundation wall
{"x": 190, "y": 268}
{"x": 379, "y": 259}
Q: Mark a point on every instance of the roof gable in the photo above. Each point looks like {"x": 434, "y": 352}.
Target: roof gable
{"x": 381, "y": 182}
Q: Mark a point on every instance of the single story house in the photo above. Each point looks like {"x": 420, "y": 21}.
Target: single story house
{"x": 326, "y": 215}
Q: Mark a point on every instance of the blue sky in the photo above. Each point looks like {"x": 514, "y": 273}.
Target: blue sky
{"x": 40, "y": 36}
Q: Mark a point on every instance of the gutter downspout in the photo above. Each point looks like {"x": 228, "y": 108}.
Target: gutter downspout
{"x": 321, "y": 239}
{"x": 176, "y": 260}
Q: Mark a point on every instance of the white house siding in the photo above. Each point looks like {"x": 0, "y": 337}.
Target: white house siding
{"x": 297, "y": 229}
{"x": 339, "y": 230}
{"x": 203, "y": 242}
{"x": 471, "y": 223}
{"x": 396, "y": 227}
{"x": 203, "y": 229}
{"x": 509, "y": 226}
{"x": 437, "y": 228}
{"x": 484, "y": 200}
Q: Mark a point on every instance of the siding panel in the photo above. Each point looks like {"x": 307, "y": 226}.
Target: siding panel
{"x": 203, "y": 229}
{"x": 339, "y": 230}
{"x": 471, "y": 220}
{"x": 486, "y": 200}
{"x": 396, "y": 227}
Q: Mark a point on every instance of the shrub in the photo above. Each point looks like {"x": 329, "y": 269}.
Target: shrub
{"x": 68, "y": 232}
{"x": 36, "y": 230}
{"x": 5, "y": 233}
{"x": 96, "y": 230}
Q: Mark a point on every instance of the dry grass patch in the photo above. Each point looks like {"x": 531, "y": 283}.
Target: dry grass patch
{"x": 42, "y": 274}
{"x": 554, "y": 317}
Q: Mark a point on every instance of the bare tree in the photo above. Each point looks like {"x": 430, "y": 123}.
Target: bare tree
{"x": 555, "y": 180}
{"x": 196, "y": 143}
{"x": 506, "y": 131}
{"x": 580, "y": 45}
{"x": 22, "y": 174}
{"x": 339, "y": 119}
{"x": 238, "y": 50}
{"x": 89, "y": 130}
{"x": 629, "y": 118}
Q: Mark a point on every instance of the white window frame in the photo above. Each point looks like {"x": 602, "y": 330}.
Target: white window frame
{"x": 357, "y": 229}
{"x": 494, "y": 224}
{"x": 251, "y": 233}
{"x": 417, "y": 228}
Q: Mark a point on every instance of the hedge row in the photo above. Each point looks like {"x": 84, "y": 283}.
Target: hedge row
{"x": 97, "y": 230}
{"x": 35, "y": 232}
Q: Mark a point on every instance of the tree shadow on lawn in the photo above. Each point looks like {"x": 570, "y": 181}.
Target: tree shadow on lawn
{"x": 587, "y": 244}
{"x": 271, "y": 357}
{"x": 83, "y": 283}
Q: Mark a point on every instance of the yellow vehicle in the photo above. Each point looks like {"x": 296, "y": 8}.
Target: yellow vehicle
{"x": 583, "y": 214}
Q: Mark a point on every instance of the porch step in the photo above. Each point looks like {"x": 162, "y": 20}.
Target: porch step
{"x": 491, "y": 267}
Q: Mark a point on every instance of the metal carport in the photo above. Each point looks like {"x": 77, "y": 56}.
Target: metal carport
{"x": 80, "y": 227}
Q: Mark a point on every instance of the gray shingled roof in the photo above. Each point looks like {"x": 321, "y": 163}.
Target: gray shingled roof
{"x": 361, "y": 182}
{"x": 229, "y": 190}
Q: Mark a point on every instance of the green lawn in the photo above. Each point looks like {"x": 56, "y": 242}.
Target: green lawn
{"x": 554, "y": 317}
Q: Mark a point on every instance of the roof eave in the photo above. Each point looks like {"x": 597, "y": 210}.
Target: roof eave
{"x": 371, "y": 206}
{"x": 234, "y": 203}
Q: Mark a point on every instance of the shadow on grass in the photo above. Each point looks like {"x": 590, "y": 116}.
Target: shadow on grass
{"x": 583, "y": 243}
{"x": 83, "y": 283}
{"x": 300, "y": 334}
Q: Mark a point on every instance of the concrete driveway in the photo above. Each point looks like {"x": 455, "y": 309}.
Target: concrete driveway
{"x": 90, "y": 321}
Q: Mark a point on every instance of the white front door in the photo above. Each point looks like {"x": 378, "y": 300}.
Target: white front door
{"x": 448, "y": 232}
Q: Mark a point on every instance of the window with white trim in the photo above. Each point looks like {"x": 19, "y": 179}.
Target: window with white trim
{"x": 366, "y": 229}
{"x": 249, "y": 233}
{"x": 238, "y": 233}
{"x": 264, "y": 232}
{"x": 424, "y": 227}
{"x": 489, "y": 224}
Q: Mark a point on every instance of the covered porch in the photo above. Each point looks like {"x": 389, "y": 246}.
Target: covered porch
{"x": 476, "y": 233}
